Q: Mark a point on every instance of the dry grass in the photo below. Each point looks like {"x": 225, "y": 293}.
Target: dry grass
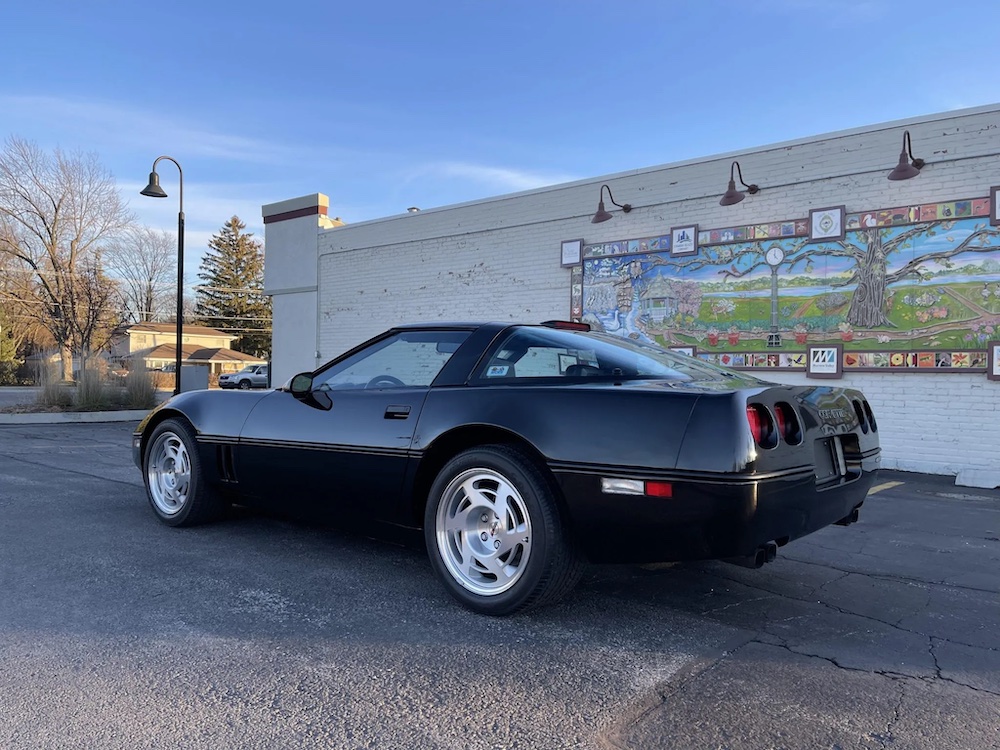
{"x": 54, "y": 393}
{"x": 93, "y": 391}
{"x": 140, "y": 388}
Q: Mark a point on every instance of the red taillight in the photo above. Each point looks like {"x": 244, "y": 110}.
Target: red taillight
{"x": 788, "y": 423}
{"x": 860, "y": 413}
{"x": 753, "y": 417}
{"x": 871, "y": 417}
{"x": 762, "y": 426}
{"x": 779, "y": 417}
{"x": 660, "y": 489}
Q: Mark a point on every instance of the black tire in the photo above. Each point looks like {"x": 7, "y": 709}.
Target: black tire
{"x": 245, "y": 385}
{"x": 175, "y": 482}
{"x": 535, "y": 560}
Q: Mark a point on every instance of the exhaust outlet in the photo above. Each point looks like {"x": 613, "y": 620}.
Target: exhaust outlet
{"x": 765, "y": 553}
{"x": 756, "y": 560}
{"x": 770, "y": 551}
{"x": 850, "y": 518}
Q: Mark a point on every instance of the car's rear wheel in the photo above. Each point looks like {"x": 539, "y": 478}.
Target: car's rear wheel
{"x": 495, "y": 535}
{"x": 244, "y": 385}
{"x": 175, "y": 482}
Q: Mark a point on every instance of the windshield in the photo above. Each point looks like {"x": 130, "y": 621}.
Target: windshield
{"x": 535, "y": 352}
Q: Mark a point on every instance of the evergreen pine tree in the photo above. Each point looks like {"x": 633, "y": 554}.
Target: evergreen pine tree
{"x": 231, "y": 297}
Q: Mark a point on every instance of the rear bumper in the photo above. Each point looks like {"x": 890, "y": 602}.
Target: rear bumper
{"x": 708, "y": 517}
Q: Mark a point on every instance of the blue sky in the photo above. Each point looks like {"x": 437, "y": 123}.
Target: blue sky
{"x": 385, "y": 105}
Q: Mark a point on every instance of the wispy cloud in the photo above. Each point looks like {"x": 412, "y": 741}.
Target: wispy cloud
{"x": 497, "y": 178}
{"x": 102, "y": 122}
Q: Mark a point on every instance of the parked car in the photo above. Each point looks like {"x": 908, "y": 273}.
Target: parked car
{"x": 523, "y": 451}
{"x": 252, "y": 376}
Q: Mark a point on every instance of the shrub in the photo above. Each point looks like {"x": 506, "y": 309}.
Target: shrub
{"x": 53, "y": 393}
{"x": 140, "y": 388}
{"x": 91, "y": 392}
{"x": 8, "y": 372}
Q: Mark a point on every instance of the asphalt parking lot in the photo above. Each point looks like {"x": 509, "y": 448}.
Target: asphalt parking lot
{"x": 260, "y": 632}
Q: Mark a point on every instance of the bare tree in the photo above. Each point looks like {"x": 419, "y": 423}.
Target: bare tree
{"x": 55, "y": 211}
{"x": 144, "y": 262}
{"x": 96, "y": 315}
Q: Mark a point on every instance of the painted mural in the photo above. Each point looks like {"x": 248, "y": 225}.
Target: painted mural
{"x": 909, "y": 287}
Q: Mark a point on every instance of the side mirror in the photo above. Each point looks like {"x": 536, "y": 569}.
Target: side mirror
{"x": 301, "y": 385}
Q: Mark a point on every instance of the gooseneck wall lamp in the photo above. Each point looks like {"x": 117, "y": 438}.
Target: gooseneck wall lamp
{"x": 603, "y": 215}
{"x": 908, "y": 166}
{"x": 732, "y": 196}
{"x": 153, "y": 190}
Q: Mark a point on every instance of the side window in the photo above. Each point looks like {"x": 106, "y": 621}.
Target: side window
{"x": 529, "y": 355}
{"x": 407, "y": 359}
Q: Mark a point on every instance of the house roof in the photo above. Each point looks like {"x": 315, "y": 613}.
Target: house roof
{"x": 195, "y": 353}
{"x": 172, "y": 328}
{"x": 221, "y": 354}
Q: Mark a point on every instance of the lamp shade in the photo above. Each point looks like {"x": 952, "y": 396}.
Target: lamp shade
{"x": 904, "y": 170}
{"x": 601, "y": 214}
{"x": 732, "y": 196}
{"x": 153, "y": 189}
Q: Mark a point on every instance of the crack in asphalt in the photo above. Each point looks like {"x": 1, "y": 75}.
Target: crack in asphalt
{"x": 938, "y": 675}
{"x": 737, "y": 604}
{"x": 888, "y": 738}
{"x": 849, "y": 613}
{"x": 888, "y": 577}
{"x": 829, "y": 583}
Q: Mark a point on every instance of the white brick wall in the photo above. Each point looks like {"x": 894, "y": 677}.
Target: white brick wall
{"x": 946, "y": 423}
{"x": 499, "y": 258}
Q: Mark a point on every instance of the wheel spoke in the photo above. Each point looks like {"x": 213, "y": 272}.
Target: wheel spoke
{"x": 510, "y": 540}
{"x": 459, "y": 522}
{"x": 501, "y": 568}
{"x": 475, "y": 495}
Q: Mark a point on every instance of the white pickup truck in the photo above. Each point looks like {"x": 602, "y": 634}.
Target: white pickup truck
{"x": 251, "y": 376}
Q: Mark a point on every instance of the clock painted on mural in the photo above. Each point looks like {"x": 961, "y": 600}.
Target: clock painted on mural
{"x": 774, "y": 256}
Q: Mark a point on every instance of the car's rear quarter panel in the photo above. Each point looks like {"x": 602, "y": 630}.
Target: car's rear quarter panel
{"x": 729, "y": 495}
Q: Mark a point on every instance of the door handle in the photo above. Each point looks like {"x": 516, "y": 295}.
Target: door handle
{"x": 397, "y": 411}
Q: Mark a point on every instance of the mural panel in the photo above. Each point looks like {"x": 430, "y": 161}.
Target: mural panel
{"x": 911, "y": 287}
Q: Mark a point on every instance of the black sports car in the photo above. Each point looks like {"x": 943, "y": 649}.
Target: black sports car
{"x": 524, "y": 451}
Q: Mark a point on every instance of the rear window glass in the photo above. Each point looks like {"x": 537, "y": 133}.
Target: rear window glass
{"x": 535, "y": 352}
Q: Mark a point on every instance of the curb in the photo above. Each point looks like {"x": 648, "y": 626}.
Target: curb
{"x": 74, "y": 417}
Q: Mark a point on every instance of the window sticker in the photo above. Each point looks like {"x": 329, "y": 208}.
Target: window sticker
{"x": 497, "y": 371}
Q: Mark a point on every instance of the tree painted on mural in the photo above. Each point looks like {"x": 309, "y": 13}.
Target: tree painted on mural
{"x": 870, "y": 252}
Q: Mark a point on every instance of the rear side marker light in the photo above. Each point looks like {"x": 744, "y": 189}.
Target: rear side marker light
{"x": 612, "y": 486}
{"x": 659, "y": 489}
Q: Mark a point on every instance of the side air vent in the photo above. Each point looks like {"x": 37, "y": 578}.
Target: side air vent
{"x": 224, "y": 460}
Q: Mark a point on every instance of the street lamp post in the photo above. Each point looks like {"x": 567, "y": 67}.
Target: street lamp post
{"x": 153, "y": 190}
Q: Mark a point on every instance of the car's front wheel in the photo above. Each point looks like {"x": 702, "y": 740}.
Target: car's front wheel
{"x": 244, "y": 385}
{"x": 495, "y": 535}
{"x": 175, "y": 482}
